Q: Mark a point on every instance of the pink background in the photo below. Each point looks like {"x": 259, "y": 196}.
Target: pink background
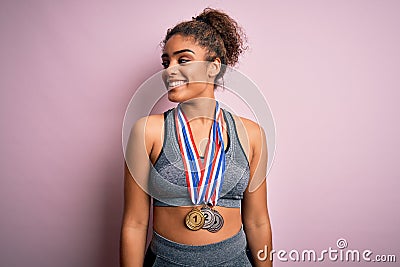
{"x": 329, "y": 70}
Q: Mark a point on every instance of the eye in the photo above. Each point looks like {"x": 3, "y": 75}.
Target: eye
{"x": 183, "y": 61}
{"x": 165, "y": 64}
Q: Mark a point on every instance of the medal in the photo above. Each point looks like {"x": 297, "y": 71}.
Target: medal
{"x": 218, "y": 222}
{"x": 194, "y": 220}
{"x": 203, "y": 178}
{"x": 208, "y": 217}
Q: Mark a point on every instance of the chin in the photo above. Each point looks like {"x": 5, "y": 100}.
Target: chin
{"x": 178, "y": 95}
{"x": 173, "y": 100}
{"x": 173, "y": 97}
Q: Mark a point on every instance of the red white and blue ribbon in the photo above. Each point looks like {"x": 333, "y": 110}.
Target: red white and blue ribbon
{"x": 204, "y": 178}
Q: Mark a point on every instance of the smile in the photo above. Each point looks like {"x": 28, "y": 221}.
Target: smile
{"x": 173, "y": 84}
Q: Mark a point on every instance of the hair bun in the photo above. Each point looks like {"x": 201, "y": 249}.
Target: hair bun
{"x": 198, "y": 18}
{"x": 231, "y": 33}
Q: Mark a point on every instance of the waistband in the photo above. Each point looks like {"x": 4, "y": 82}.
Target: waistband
{"x": 202, "y": 255}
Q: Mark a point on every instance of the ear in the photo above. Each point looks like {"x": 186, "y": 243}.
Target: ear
{"x": 214, "y": 67}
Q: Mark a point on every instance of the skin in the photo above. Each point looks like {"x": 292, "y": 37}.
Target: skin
{"x": 197, "y": 99}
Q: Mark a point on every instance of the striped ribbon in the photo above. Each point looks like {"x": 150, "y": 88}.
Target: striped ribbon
{"x": 204, "y": 179}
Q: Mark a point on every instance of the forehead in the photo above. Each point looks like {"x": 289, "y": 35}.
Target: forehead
{"x": 178, "y": 42}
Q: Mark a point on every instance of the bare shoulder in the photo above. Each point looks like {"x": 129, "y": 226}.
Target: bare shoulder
{"x": 149, "y": 124}
{"x": 250, "y": 124}
{"x": 250, "y": 135}
{"x": 149, "y": 128}
{"x": 253, "y": 130}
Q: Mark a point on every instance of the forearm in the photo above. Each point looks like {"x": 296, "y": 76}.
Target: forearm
{"x": 133, "y": 246}
{"x": 259, "y": 237}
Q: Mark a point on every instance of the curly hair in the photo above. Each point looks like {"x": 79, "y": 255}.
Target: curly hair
{"x": 217, "y": 32}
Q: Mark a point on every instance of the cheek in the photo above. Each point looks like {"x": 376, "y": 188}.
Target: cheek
{"x": 196, "y": 74}
{"x": 164, "y": 76}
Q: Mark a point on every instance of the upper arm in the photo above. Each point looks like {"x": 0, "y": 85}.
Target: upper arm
{"x": 254, "y": 203}
{"x": 136, "y": 174}
{"x": 259, "y": 157}
{"x": 253, "y": 140}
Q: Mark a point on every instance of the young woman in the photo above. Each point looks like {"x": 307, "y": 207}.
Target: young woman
{"x": 197, "y": 161}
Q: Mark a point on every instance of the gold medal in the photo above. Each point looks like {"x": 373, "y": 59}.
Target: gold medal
{"x": 194, "y": 220}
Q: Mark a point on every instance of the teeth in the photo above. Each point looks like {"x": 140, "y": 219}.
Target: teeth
{"x": 176, "y": 83}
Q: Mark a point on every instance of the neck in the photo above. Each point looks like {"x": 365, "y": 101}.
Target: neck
{"x": 200, "y": 109}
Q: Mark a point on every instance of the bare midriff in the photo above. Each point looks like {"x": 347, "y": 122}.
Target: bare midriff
{"x": 169, "y": 222}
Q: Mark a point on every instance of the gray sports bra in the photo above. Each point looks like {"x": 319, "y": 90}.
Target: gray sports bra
{"x": 167, "y": 183}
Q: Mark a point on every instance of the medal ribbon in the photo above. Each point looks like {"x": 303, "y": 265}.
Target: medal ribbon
{"x": 204, "y": 179}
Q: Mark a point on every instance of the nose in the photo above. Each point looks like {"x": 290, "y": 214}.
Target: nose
{"x": 172, "y": 69}
{"x": 169, "y": 73}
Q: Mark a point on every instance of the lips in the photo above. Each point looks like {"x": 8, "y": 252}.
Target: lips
{"x": 176, "y": 83}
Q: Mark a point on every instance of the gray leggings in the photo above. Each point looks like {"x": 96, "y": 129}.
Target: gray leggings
{"x": 229, "y": 252}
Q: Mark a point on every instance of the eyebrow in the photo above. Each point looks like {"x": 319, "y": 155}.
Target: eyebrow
{"x": 178, "y": 52}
